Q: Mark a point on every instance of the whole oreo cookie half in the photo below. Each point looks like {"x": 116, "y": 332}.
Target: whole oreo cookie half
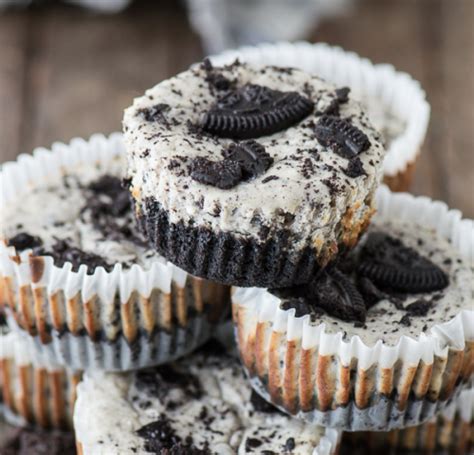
{"x": 253, "y": 110}
{"x": 391, "y": 265}
{"x": 341, "y": 136}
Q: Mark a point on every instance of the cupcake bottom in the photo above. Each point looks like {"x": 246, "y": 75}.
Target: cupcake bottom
{"x": 82, "y": 352}
{"x": 382, "y": 415}
{"x": 237, "y": 261}
{"x": 451, "y": 432}
{"x": 402, "y": 180}
{"x": 37, "y": 393}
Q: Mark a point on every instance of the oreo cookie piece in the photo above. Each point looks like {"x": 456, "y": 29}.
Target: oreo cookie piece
{"x": 154, "y": 113}
{"x": 331, "y": 291}
{"x": 392, "y": 266}
{"x": 63, "y": 252}
{"x": 251, "y": 156}
{"x": 342, "y": 97}
{"x": 341, "y": 136}
{"x": 355, "y": 168}
{"x": 24, "y": 241}
{"x": 253, "y": 111}
{"x": 338, "y": 296}
{"x": 223, "y": 174}
{"x": 242, "y": 161}
{"x": 160, "y": 437}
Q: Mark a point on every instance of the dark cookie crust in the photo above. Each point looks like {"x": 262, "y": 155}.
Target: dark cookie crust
{"x": 225, "y": 258}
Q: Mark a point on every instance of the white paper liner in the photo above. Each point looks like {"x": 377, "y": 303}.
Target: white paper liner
{"x": 450, "y": 431}
{"x": 397, "y": 92}
{"x": 102, "y": 287}
{"x": 263, "y": 307}
{"x": 25, "y": 390}
{"x": 79, "y": 352}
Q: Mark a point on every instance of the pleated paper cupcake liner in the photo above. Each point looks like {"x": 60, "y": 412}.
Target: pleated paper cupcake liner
{"x": 390, "y": 96}
{"x": 35, "y": 391}
{"x": 318, "y": 376}
{"x": 450, "y": 432}
{"x": 106, "y": 319}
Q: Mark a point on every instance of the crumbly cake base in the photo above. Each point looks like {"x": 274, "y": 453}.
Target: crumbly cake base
{"x": 241, "y": 261}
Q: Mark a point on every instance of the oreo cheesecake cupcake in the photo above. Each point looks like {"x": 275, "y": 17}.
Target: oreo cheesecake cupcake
{"x": 451, "y": 432}
{"x": 34, "y": 390}
{"x": 394, "y": 102}
{"x": 382, "y": 340}
{"x": 251, "y": 175}
{"x": 79, "y": 279}
{"x": 202, "y": 405}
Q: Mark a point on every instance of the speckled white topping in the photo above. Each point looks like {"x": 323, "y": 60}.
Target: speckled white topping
{"x": 111, "y": 408}
{"x": 52, "y": 210}
{"x": 383, "y": 319}
{"x": 310, "y": 185}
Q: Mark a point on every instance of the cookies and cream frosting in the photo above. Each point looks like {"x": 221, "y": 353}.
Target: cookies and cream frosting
{"x": 201, "y": 405}
{"x": 307, "y": 189}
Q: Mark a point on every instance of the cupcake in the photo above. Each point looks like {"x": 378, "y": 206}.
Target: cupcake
{"x": 251, "y": 175}
{"x": 395, "y": 103}
{"x": 34, "y": 390}
{"x": 202, "y": 405}
{"x": 451, "y": 432}
{"x": 79, "y": 279}
{"x": 382, "y": 340}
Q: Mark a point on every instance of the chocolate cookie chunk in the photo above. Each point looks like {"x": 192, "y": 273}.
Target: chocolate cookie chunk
{"x": 251, "y": 156}
{"x": 242, "y": 161}
{"x": 391, "y": 265}
{"x": 334, "y": 292}
{"x": 341, "y": 136}
{"x": 63, "y": 252}
{"x": 160, "y": 437}
{"x": 154, "y": 113}
{"x": 223, "y": 174}
{"x": 24, "y": 241}
{"x": 253, "y": 111}
{"x": 331, "y": 292}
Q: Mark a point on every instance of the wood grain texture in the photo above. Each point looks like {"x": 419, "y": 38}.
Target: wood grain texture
{"x": 65, "y": 72}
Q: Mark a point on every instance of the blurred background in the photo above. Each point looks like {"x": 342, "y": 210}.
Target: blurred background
{"x": 68, "y": 68}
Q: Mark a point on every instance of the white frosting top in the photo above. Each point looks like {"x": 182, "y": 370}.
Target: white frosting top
{"x": 53, "y": 209}
{"x": 308, "y": 179}
{"x": 220, "y": 416}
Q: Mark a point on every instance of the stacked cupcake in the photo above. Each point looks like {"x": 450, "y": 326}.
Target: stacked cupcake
{"x": 351, "y": 306}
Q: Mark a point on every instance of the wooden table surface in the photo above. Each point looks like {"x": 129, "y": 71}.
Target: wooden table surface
{"x": 65, "y": 72}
